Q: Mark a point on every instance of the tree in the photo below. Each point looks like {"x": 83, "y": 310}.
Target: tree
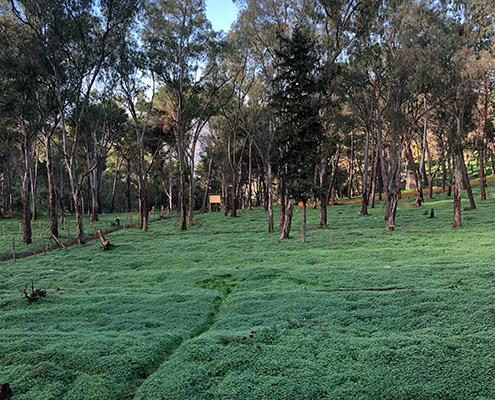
{"x": 74, "y": 38}
{"x": 179, "y": 35}
{"x": 300, "y": 132}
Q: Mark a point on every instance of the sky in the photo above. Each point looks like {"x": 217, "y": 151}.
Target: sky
{"x": 221, "y": 13}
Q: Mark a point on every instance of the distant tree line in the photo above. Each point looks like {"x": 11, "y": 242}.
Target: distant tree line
{"x": 127, "y": 105}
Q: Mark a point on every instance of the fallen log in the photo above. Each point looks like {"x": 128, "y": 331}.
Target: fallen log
{"x": 367, "y": 289}
{"x": 105, "y": 243}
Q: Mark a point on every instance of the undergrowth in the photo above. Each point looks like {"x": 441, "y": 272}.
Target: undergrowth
{"x": 227, "y": 311}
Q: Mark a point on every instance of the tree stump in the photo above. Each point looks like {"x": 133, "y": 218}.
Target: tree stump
{"x": 5, "y": 391}
{"x": 105, "y": 243}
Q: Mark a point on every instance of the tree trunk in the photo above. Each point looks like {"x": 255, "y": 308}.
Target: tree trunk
{"x": 144, "y": 211}
{"x": 26, "y": 209}
{"x": 52, "y": 195}
{"x": 128, "y": 202}
{"x": 417, "y": 174}
{"x": 303, "y": 226}
{"x": 10, "y": 191}
{"x": 374, "y": 178}
{"x": 430, "y": 173}
{"x": 34, "y": 181}
{"x": 288, "y": 220}
{"x": 233, "y": 200}
{"x": 114, "y": 185}
{"x": 282, "y": 200}
{"x": 333, "y": 174}
{"x": 351, "y": 167}
{"x": 451, "y": 176}
{"x": 323, "y": 196}
{"x": 207, "y": 187}
{"x": 250, "y": 189}
{"x": 457, "y": 192}
{"x": 364, "y": 201}
{"x": 270, "y": 197}
{"x": 466, "y": 183}
{"x": 182, "y": 191}
{"x": 481, "y": 154}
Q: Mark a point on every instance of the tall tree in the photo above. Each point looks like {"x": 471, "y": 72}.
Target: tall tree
{"x": 300, "y": 130}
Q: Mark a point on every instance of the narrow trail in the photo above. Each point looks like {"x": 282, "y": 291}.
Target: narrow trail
{"x": 215, "y": 282}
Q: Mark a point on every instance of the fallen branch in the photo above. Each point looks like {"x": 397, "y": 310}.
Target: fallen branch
{"x": 367, "y": 289}
{"x": 105, "y": 243}
{"x": 59, "y": 243}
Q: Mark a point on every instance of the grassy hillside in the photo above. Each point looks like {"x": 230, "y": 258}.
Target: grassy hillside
{"x": 227, "y": 311}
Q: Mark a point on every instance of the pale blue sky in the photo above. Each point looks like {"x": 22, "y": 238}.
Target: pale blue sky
{"x": 221, "y": 13}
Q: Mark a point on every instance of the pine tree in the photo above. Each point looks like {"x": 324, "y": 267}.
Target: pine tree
{"x": 299, "y": 129}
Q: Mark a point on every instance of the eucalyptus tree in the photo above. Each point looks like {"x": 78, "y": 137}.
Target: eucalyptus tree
{"x": 262, "y": 24}
{"x": 471, "y": 26}
{"x": 179, "y": 38}
{"x": 74, "y": 38}
{"x": 19, "y": 72}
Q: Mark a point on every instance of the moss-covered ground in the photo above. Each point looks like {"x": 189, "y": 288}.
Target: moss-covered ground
{"x": 227, "y": 311}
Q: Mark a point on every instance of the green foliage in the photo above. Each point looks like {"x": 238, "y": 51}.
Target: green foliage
{"x": 299, "y": 131}
{"x": 226, "y": 311}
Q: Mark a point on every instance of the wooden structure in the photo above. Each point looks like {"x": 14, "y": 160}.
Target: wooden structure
{"x": 214, "y": 199}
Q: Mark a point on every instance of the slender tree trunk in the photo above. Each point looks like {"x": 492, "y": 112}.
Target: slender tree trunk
{"x": 182, "y": 190}
{"x": 374, "y": 178}
{"x": 34, "y": 180}
{"x": 288, "y": 220}
{"x": 270, "y": 197}
{"x": 430, "y": 173}
{"x": 114, "y": 185}
{"x": 451, "y": 176}
{"x": 128, "y": 202}
{"x": 26, "y": 209}
{"x": 282, "y": 200}
{"x": 303, "y": 226}
{"x": 250, "y": 187}
{"x": 481, "y": 153}
{"x": 323, "y": 196}
{"x": 466, "y": 183}
{"x": 364, "y": 201}
{"x": 351, "y": 168}
{"x": 52, "y": 195}
{"x": 233, "y": 200}
{"x": 144, "y": 211}
{"x": 207, "y": 188}
{"x": 190, "y": 206}
{"x": 333, "y": 174}
{"x": 225, "y": 196}
{"x": 10, "y": 191}
{"x": 94, "y": 201}
{"x": 457, "y": 192}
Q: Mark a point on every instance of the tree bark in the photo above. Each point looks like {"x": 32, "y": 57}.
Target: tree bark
{"x": 288, "y": 220}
